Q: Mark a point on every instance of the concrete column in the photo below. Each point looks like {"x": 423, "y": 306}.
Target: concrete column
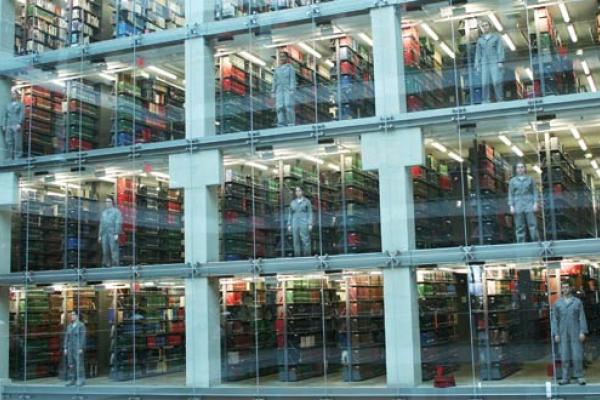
{"x": 388, "y": 61}
{"x": 8, "y": 199}
{"x": 199, "y": 174}
{"x": 7, "y": 28}
{"x": 391, "y": 154}
{"x": 199, "y": 73}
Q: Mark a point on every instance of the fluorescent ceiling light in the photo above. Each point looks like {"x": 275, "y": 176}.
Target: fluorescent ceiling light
{"x": 598, "y": 172}
{"x": 430, "y": 31}
{"x": 529, "y": 73}
{"x": 572, "y": 33}
{"x": 162, "y": 72}
{"x": 516, "y": 150}
{"x": 594, "y": 164}
{"x": 366, "y": 38}
{"x": 440, "y": 147}
{"x": 309, "y": 50}
{"x": 495, "y": 21}
{"x": 564, "y": 12}
{"x": 160, "y": 175}
{"x": 509, "y": 42}
{"x": 537, "y": 169}
{"x": 575, "y": 133}
{"x": 329, "y": 63}
{"x": 252, "y": 58}
{"x": 588, "y": 155}
{"x": 505, "y": 140}
{"x": 582, "y": 144}
{"x": 257, "y": 165}
{"x": 591, "y": 83}
{"x": 455, "y": 156}
{"x": 334, "y": 167}
{"x": 586, "y": 68}
{"x": 313, "y": 159}
{"x": 447, "y": 50}
{"x": 108, "y": 77}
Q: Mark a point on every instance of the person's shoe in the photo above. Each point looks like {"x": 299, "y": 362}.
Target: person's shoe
{"x": 563, "y": 382}
{"x": 581, "y": 381}
{"x": 70, "y": 383}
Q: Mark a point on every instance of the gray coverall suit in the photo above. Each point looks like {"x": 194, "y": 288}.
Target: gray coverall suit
{"x": 13, "y": 136}
{"x": 284, "y": 89}
{"x": 488, "y": 53}
{"x": 523, "y": 195}
{"x": 75, "y": 338}
{"x": 110, "y": 225}
{"x": 299, "y": 218}
{"x": 568, "y": 321}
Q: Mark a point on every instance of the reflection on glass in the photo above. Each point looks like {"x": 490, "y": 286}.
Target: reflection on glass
{"x": 86, "y": 219}
{"x": 280, "y": 81}
{"x": 301, "y": 201}
{"x": 43, "y": 25}
{"x": 237, "y": 8}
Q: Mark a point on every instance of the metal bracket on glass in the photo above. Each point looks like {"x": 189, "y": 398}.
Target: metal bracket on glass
{"x": 77, "y": 397}
{"x": 393, "y": 259}
{"x": 28, "y": 277}
{"x": 81, "y": 275}
{"x": 85, "y": 49}
{"x": 380, "y": 3}
{"x": 135, "y": 271}
{"x": 323, "y": 262}
{"x": 547, "y": 250}
{"x": 535, "y": 105}
{"x": 314, "y": 11}
{"x": 252, "y": 135}
{"x": 195, "y": 267}
{"x": 468, "y": 253}
{"x": 35, "y": 58}
{"x": 386, "y": 123}
{"x": 318, "y": 130}
{"x": 252, "y": 20}
{"x": 255, "y": 266}
{"x": 193, "y": 31}
{"x": 459, "y": 114}
{"x": 137, "y": 41}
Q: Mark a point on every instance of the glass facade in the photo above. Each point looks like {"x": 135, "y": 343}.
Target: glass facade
{"x": 299, "y": 198}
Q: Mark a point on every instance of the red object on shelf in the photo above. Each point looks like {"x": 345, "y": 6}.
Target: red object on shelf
{"x": 414, "y": 103}
{"x": 234, "y": 299}
{"x": 571, "y": 269}
{"x": 151, "y": 342}
{"x": 442, "y": 381}
{"x": 417, "y": 172}
{"x": 354, "y": 239}
{"x": 445, "y": 182}
{"x": 76, "y": 144}
{"x": 347, "y": 68}
{"x": 174, "y": 340}
{"x": 234, "y": 87}
{"x": 229, "y": 71}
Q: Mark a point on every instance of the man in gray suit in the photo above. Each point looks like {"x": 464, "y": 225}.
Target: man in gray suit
{"x": 74, "y": 349}
{"x": 111, "y": 222}
{"x": 300, "y": 220}
{"x": 284, "y": 90}
{"x": 12, "y": 120}
{"x": 523, "y": 203}
{"x": 489, "y": 61}
{"x": 569, "y": 327}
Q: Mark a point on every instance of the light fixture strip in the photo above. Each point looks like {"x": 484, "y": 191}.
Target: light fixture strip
{"x": 564, "y": 12}
{"x": 496, "y": 22}
{"x": 509, "y": 42}
{"x": 447, "y": 50}
{"x": 252, "y": 58}
{"x": 310, "y": 50}
{"x": 430, "y": 31}
{"x": 572, "y": 33}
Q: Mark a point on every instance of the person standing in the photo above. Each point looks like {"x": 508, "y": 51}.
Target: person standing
{"x": 111, "y": 223}
{"x": 569, "y": 327}
{"x": 523, "y": 203}
{"x": 489, "y": 62}
{"x": 300, "y": 220}
{"x": 74, "y": 350}
{"x": 14, "y": 113}
{"x": 284, "y": 91}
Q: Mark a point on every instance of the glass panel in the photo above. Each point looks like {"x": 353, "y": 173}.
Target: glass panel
{"x": 511, "y": 319}
{"x": 273, "y": 80}
{"x": 46, "y": 25}
{"x": 237, "y": 8}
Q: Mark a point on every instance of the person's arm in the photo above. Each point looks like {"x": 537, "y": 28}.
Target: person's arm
{"x": 66, "y": 340}
{"x": 511, "y": 200}
{"x": 500, "y": 50}
{"x": 289, "y": 218}
{"x": 477, "y": 54}
{"x": 554, "y": 321}
{"x": 118, "y": 221}
{"x": 583, "y": 327}
{"x": 310, "y": 213}
{"x": 535, "y": 191}
{"x": 292, "y": 79}
{"x": 21, "y": 114}
{"x": 274, "y": 82}
{"x": 82, "y": 337}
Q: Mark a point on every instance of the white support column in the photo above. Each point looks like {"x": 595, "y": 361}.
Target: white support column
{"x": 391, "y": 154}
{"x": 7, "y": 28}
{"x": 199, "y": 73}
{"x": 199, "y": 174}
{"x": 388, "y": 61}
{"x": 8, "y": 199}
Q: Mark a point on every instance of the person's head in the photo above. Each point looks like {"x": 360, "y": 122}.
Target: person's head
{"x": 109, "y": 202}
{"x": 283, "y": 58}
{"x": 520, "y": 168}
{"x": 74, "y": 316}
{"x": 565, "y": 289}
{"x": 485, "y": 26}
{"x": 299, "y": 192}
